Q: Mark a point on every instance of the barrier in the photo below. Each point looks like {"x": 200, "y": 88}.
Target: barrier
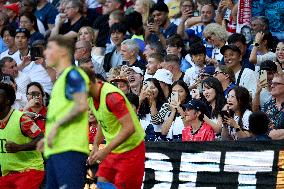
{"x": 219, "y": 164}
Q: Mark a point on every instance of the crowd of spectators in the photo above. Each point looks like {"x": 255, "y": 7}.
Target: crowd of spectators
{"x": 187, "y": 73}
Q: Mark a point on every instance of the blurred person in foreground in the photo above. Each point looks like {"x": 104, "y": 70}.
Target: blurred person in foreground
{"x": 124, "y": 136}
{"x": 66, "y": 144}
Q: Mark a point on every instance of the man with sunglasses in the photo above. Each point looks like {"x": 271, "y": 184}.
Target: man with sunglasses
{"x": 20, "y": 162}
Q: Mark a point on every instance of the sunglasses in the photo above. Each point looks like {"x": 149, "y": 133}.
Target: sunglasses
{"x": 21, "y": 30}
{"x": 217, "y": 72}
{"x": 208, "y": 38}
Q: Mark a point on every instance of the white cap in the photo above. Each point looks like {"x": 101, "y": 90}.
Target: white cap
{"x": 137, "y": 70}
{"x": 164, "y": 75}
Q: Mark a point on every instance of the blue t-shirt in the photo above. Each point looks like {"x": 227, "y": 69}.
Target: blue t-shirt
{"x": 198, "y": 31}
{"x": 3, "y": 46}
{"x": 46, "y": 15}
{"x": 168, "y": 32}
{"x": 75, "y": 83}
{"x": 35, "y": 36}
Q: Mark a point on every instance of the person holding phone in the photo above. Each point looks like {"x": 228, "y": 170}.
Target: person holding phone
{"x": 152, "y": 100}
{"x": 161, "y": 28}
{"x": 263, "y": 90}
{"x": 174, "y": 121}
{"x": 237, "y": 125}
{"x": 35, "y": 105}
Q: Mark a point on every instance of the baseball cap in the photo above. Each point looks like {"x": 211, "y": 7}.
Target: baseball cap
{"x": 209, "y": 70}
{"x": 232, "y": 47}
{"x": 23, "y": 30}
{"x": 268, "y": 65}
{"x": 137, "y": 70}
{"x": 14, "y": 7}
{"x": 197, "y": 105}
{"x": 164, "y": 75}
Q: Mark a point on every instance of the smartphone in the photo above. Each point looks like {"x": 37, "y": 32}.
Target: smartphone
{"x": 151, "y": 20}
{"x": 36, "y": 52}
{"x": 263, "y": 76}
{"x": 196, "y": 13}
{"x": 174, "y": 97}
{"x": 145, "y": 85}
{"x": 225, "y": 113}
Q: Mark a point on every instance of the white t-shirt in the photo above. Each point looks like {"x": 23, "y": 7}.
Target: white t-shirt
{"x": 176, "y": 128}
{"x": 22, "y": 80}
{"x": 245, "y": 120}
{"x": 268, "y": 56}
{"x": 6, "y": 53}
{"x": 248, "y": 80}
{"x": 37, "y": 73}
{"x": 191, "y": 75}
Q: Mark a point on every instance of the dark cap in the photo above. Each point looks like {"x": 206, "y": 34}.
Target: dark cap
{"x": 197, "y": 105}
{"x": 232, "y": 47}
{"x": 25, "y": 31}
{"x": 209, "y": 70}
{"x": 268, "y": 65}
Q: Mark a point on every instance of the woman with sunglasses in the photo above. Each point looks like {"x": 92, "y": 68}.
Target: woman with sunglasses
{"x": 236, "y": 117}
{"x": 217, "y": 36}
{"x": 35, "y": 106}
{"x": 226, "y": 77}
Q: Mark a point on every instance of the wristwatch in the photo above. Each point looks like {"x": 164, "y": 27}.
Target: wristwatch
{"x": 256, "y": 44}
{"x": 238, "y": 129}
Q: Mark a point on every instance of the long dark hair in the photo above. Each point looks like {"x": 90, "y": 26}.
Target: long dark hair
{"x": 244, "y": 101}
{"x": 32, "y": 18}
{"x": 185, "y": 87}
{"x": 160, "y": 99}
{"x": 220, "y": 100}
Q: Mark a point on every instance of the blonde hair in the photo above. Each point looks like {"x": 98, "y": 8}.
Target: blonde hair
{"x": 90, "y": 30}
{"x": 217, "y": 30}
{"x": 147, "y": 5}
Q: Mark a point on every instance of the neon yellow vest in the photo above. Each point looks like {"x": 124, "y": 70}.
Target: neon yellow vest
{"x": 110, "y": 124}
{"x": 74, "y": 135}
{"x": 19, "y": 161}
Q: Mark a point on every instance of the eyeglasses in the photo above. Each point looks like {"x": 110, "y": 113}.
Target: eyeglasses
{"x": 204, "y": 75}
{"x": 34, "y": 94}
{"x": 276, "y": 83}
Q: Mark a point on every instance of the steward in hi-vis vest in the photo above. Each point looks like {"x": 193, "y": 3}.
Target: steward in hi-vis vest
{"x": 19, "y": 134}
{"x": 122, "y": 159}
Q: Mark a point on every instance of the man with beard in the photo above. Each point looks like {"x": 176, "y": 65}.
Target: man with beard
{"x": 161, "y": 28}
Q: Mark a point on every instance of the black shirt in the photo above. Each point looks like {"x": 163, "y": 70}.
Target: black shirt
{"x": 67, "y": 27}
{"x": 137, "y": 63}
{"x": 101, "y": 24}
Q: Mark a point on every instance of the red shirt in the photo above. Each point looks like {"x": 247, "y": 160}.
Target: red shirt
{"x": 115, "y": 103}
{"x": 39, "y": 121}
{"x": 204, "y": 133}
{"x": 28, "y": 127}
